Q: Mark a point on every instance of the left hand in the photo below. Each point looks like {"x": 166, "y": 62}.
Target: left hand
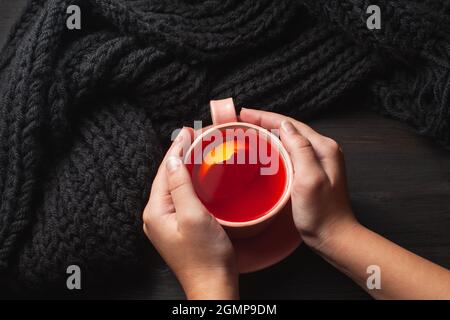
{"x": 187, "y": 236}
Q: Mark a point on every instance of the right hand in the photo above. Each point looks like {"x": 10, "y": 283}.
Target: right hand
{"x": 320, "y": 203}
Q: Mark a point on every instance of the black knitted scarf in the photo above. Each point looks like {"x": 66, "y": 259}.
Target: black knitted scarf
{"x": 85, "y": 115}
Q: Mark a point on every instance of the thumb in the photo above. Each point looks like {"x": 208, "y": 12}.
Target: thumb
{"x": 188, "y": 206}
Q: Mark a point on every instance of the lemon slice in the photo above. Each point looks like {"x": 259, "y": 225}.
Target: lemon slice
{"x": 220, "y": 154}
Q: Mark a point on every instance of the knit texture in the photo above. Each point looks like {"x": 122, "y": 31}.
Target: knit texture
{"x": 85, "y": 116}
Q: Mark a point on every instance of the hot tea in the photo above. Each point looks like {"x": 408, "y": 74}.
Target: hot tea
{"x": 238, "y": 174}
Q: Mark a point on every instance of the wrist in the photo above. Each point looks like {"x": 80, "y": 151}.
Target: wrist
{"x": 218, "y": 284}
{"x": 332, "y": 233}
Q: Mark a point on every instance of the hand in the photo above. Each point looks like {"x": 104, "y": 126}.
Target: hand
{"x": 320, "y": 203}
{"x": 187, "y": 236}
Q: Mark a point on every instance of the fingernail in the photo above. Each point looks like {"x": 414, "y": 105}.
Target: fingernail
{"x": 287, "y": 127}
{"x": 173, "y": 163}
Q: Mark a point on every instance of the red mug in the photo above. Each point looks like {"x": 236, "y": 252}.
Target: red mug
{"x": 253, "y": 198}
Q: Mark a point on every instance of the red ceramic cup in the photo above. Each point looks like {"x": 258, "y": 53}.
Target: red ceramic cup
{"x": 224, "y": 119}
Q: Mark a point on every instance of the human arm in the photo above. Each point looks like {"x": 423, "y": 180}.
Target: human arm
{"x": 323, "y": 216}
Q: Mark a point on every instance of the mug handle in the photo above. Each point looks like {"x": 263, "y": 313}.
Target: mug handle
{"x": 223, "y": 111}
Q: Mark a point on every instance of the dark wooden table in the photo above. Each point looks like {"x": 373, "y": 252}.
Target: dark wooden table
{"x": 400, "y": 188}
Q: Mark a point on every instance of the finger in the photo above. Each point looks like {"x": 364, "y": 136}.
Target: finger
{"x": 271, "y": 120}
{"x": 308, "y": 172}
{"x": 179, "y": 147}
{"x": 327, "y": 150}
{"x": 160, "y": 201}
{"x": 189, "y": 209}
{"x": 265, "y": 119}
{"x": 182, "y": 142}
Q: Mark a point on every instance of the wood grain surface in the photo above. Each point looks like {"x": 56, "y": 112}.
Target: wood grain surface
{"x": 399, "y": 184}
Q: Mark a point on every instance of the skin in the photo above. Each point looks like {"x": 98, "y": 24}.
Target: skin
{"x": 199, "y": 252}
{"x": 186, "y": 235}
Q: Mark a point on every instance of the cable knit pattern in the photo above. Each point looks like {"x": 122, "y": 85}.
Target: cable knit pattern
{"x": 85, "y": 115}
